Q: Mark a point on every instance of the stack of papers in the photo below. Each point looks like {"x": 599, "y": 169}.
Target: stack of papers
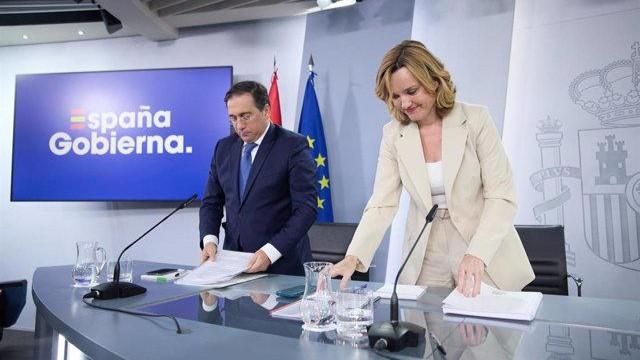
{"x": 494, "y": 303}
{"x": 405, "y": 292}
{"x": 224, "y": 271}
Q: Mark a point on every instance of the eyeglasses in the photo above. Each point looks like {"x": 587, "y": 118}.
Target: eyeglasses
{"x": 244, "y": 118}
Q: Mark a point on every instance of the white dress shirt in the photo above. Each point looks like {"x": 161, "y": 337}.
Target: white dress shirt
{"x": 272, "y": 253}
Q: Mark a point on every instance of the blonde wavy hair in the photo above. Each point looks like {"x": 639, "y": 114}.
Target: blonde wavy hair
{"x": 426, "y": 68}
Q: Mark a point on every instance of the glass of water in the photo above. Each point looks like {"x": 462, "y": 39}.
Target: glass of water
{"x": 126, "y": 269}
{"x": 354, "y": 310}
{"x": 318, "y": 312}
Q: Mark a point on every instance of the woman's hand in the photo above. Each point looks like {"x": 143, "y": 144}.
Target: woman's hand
{"x": 472, "y": 335}
{"x": 470, "y": 274}
{"x": 346, "y": 267}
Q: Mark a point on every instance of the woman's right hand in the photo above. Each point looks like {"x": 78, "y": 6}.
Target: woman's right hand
{"x": 345, "y": 268}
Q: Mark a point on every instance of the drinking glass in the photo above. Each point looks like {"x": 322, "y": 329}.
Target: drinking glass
{"x": 126, "y": 269}
{"x": 354, "y": 311}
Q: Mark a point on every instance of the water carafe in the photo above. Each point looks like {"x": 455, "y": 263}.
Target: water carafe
{"x": 318, "y": 305}
{"x": 90, "y": 259}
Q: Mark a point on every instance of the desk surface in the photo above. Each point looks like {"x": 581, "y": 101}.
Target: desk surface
{"x": 565, "y": 327}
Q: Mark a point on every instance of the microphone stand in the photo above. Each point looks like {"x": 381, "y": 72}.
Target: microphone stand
{"x": 395, "y": 335}
{"x": 117, "y": 289}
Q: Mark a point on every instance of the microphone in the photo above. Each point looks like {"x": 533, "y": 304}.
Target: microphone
{"x": 117, "y": 289}
{"x": 395, "y": 335}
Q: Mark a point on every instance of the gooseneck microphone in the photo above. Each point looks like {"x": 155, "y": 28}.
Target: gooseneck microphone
{"x": 117, "y": 289}
{"x": 395, "y": 335}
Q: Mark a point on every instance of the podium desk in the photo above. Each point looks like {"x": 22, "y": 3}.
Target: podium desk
{"x": 236, "y": 325}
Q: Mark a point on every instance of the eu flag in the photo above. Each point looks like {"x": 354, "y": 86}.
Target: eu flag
{"x": 311, "y": 127}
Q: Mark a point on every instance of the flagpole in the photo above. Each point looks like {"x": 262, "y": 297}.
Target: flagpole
{"x": 311, "y": 63}
{"x": 274, "y": 96}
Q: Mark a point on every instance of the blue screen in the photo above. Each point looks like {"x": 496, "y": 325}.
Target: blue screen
{"x": 117, "y": 135}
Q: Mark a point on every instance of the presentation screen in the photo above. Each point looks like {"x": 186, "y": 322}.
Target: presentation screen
{"x": 135, "y": 135}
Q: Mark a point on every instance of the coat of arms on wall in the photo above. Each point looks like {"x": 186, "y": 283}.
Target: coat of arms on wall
{"x": 609, "y": 163}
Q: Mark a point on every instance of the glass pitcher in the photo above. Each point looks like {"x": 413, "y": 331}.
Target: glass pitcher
{"x": 318, "y": 305}
{"x": 87, "y": 267}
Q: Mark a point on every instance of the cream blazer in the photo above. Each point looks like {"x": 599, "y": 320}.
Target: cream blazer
{"x": 479, "y": 190}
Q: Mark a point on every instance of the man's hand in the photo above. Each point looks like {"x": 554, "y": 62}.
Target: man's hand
{"x": 209, "y": 252}
{"x": 258, "y": 263}
{"x": 259, "y": 298}
{"x": 470, "y": 274}
{"x": 208, "y": 298}
{"x": 345, "y": 268}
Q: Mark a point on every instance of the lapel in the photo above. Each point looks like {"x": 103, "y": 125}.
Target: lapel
{"x": 236, "y": 154}
{"x": 263, "y": 151}
{"x": 410, "y": 153}
{"x": 454, "y": 138}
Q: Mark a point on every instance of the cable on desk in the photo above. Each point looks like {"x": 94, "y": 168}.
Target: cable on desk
{"x": 91, "y": 295}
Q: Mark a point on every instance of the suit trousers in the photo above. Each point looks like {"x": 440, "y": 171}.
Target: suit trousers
{"x": 445, "y": 250}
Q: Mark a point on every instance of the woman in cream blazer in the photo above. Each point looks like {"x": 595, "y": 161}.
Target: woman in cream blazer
{"x": 478, "y": 183}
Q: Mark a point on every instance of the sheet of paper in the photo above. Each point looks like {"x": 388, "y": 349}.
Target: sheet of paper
{"x": 494, "y": 303}
{"x": 227, "y": 265}
{"x": 405, "y": 292}
{"x": 289, "y": 311}
{"x": 238, "y": 279}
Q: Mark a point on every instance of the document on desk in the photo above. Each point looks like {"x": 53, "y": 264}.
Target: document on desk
{"x": 494, "y": 303}
{"x": 228, "y": 265}
{"x": 404, "y": 292}
{"x": 289, "y": 311}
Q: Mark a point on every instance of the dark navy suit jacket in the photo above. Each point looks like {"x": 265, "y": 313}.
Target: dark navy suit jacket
{"x": 280, "y": 198}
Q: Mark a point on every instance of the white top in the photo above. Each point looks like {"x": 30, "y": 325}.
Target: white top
{"x": 272, "y": 253}
{"x": 436, "y": 179}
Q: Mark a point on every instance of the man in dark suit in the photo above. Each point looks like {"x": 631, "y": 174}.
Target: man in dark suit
{"x": 264, "y": 177}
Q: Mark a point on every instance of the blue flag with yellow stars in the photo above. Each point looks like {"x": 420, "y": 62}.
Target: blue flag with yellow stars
{"x": 311, "y": 127}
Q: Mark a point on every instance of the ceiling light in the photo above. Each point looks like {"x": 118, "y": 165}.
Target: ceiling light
{"x": 25, "y": 37}
{"x": 80, "y": 32}
{"x": 325, "y": 3}
{"x": 330, "y": 4}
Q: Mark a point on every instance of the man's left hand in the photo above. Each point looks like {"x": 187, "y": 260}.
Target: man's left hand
{"x": 258, "y": 263}
{"x": 259, "y": 298}
{"x": 470, "y": 274}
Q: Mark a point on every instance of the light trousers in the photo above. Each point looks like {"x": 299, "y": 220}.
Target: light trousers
{"x": 445, "y": 250}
